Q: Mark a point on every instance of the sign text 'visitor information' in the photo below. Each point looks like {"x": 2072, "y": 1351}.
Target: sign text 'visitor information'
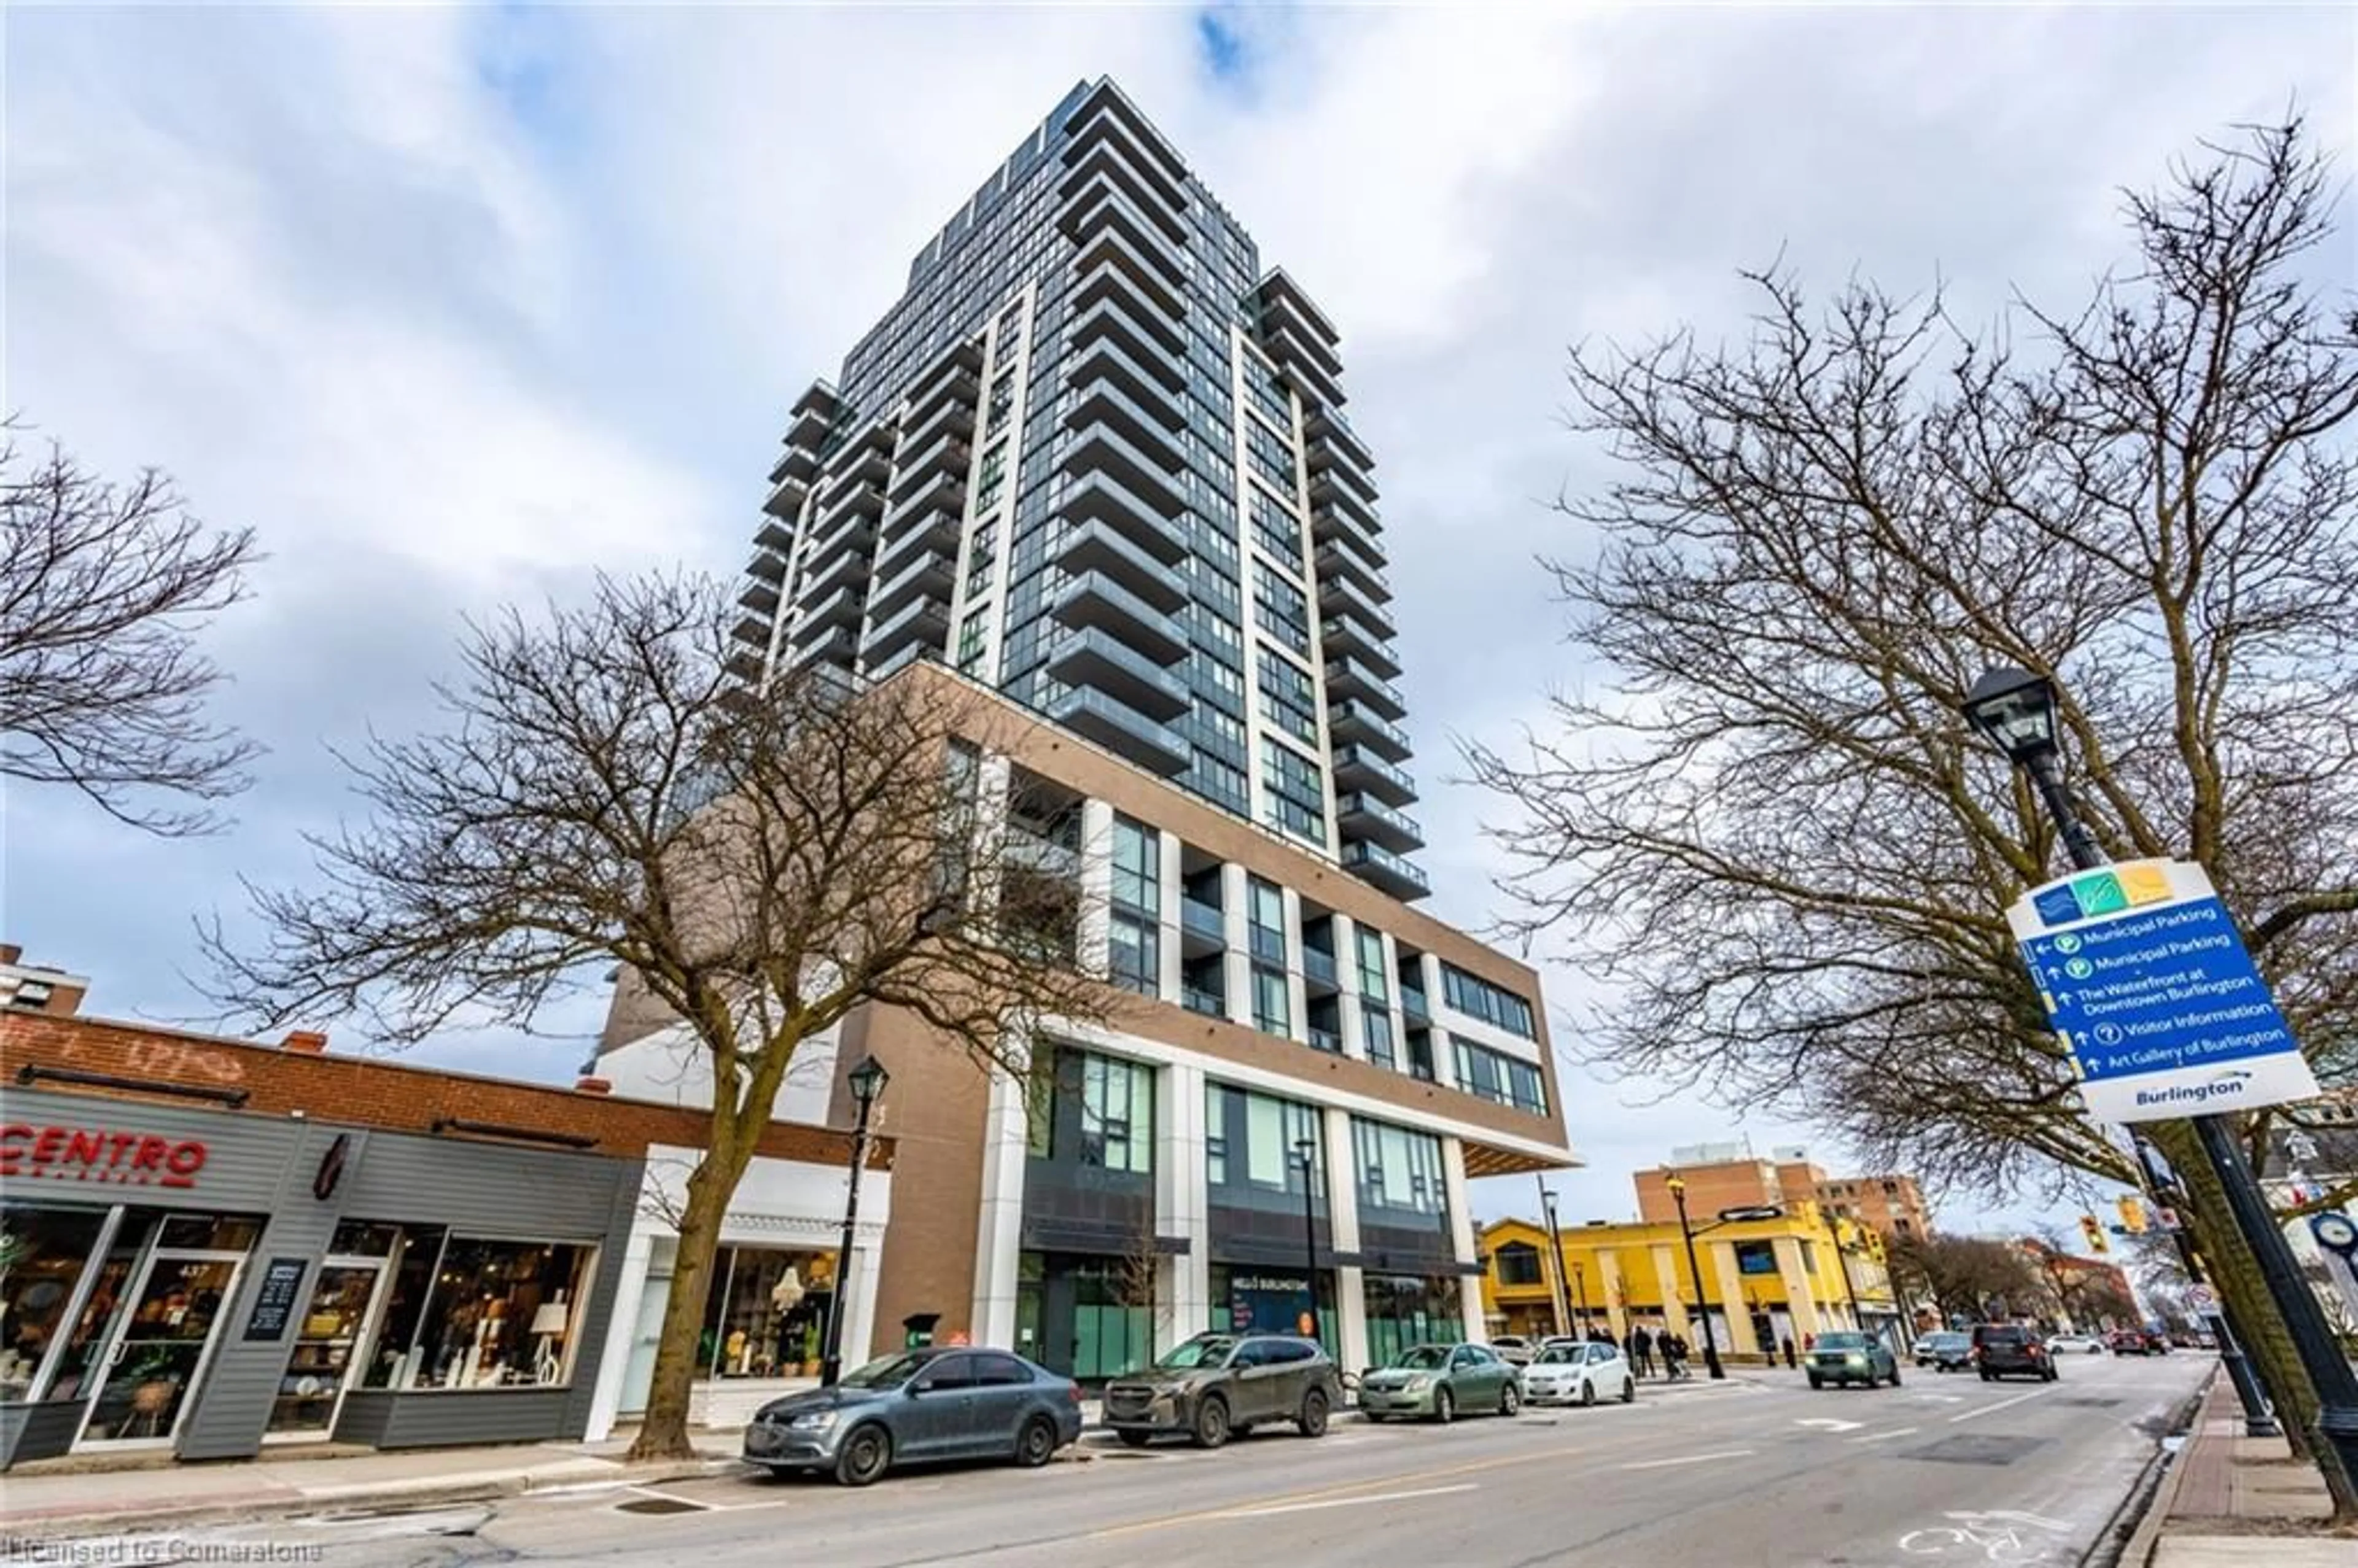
{"x": 2146, "y": 979}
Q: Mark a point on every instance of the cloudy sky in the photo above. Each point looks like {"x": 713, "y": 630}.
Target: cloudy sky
{"x": 454, "y": 305}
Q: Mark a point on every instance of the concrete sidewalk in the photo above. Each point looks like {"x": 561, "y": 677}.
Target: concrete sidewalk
{"x": 2232, "y": 1501}
{"x": 43, "y": 1502}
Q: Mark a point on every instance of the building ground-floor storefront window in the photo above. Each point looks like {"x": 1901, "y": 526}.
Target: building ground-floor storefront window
{"x": 1406, "y": 1309}
{"x": 1252, "y": 1299}
{"x": 766, "y": 1313}
{"x": 1088, "y": 1316}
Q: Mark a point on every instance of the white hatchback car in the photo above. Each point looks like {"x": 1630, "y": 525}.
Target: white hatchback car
{"x": 1571, "y": 1373}
{"x": 2076, "y": 1344}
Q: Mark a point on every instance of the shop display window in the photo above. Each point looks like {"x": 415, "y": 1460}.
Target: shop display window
{"x": 43, "y": 1252}
{"x": 498, "y": 1315}
{"x": 766, "y": 1313}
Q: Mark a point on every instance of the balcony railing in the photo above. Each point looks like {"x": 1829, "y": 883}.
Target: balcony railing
{"x": 1373, "y": 863}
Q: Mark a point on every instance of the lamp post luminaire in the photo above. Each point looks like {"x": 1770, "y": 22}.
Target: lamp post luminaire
{"x": 867, "y": 1080}
{"x": 1688, "y": 1231}
{"x": 2015, "y": 710}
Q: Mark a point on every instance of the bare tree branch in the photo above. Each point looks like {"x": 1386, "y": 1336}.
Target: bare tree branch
{"x": 757, "y": 864}
{"x": 103, "y": 591}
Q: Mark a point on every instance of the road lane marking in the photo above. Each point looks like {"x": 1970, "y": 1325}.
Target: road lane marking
{"x": 1346, "y": 1502}
{"x": 1887, "y": 1436}
{"x": 1829, "y": 1424}
{"x": 1348, "y": 1489}
{"x": 1691, "y": 1459}
{"x": 2002, "y": 1404}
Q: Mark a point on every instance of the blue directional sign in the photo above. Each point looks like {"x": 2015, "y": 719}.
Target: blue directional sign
{"x": 2146, "y": 979}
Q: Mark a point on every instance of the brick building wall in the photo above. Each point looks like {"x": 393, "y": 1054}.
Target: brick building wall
{"x": 399, "y": 1097}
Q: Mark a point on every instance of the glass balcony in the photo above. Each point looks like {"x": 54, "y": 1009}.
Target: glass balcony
{"x": 1204, "y": 927}
{"x": 863, "y": 467}
{"x": 769, "y": 564}
{"x": 785, "y": 499}
{"x": 752, "y": 632}
{"x": 944, "y": 456}
{"x": 924, "y": 623}
{"x": 1346, "y": 633}
{"x": 1364, "y": 817}
{"x": 1318, "y": 970}
{"x": 1142, "y": 376}
{"x": 1112, "y": 321}
{"x": 914, "y": 534}
{"x": 1093, "y": 658}
{"x": 760, "y": 596}
{"x": 1122, "y": 729}
{"x": 1341, "y": 562}
{"x": 1099, "y": 199}
{"x": 952, "y": 377}
{"x": 1099, "y": 448}
{"x": 775, "y": 534}
{"x": 844, "y": 569}
{"x": 1105, "y": 104}
{"x": 1357, "y": 682}
{"x": 1327, "y": 496}
{"x": 1040, "y": 853}
{"x": 1355, "y": 725}
{"x": 1156, "y": 271}
{"x": 800, "y": 463}
{"x": 1413, "y": 1005}
{"x": 945, "y": 417}
{"x": 1359, "y": 768}
{"x": 835, "y": 648}
{"x": 1379, "y": 867}
{"x": 926, "y": 576}
{"x": 1093, "y": 547}
{"x": 1107, "y": 287}
{"x": 1211, "y": 1004}
{"x": 1327, "y": 522}
{"x": 1325, "y": 1040}
{"x": 840, "y": 608}
{"x": 1101, "y": 498}
{"x": 1100, "y": 398}
{"x": 1093, "y": 600}
{"x": 1109, "y": 155}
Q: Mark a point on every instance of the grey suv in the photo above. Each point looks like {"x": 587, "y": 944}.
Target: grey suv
{"x": 1215, "y": 1384}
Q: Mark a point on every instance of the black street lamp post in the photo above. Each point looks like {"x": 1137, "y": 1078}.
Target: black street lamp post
{"x": 1688, "y": 1231}
{"x": 1555, "y": 1261}
{"x": 1306, "y": 1151}
{"x": 2015, "y": 710}
{"x": 867, "y": 1081}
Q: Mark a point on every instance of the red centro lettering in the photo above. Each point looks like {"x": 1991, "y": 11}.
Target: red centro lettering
{"x": 99, "y": 1153}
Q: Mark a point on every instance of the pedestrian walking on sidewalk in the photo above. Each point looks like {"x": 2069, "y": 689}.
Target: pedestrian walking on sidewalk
{"x": 1791, "y": 1359}
{"x": 1674, "y": 1356}
{"x": 1641, "y": 1351}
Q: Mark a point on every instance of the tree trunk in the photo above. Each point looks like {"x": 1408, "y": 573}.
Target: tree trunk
{"x": 2235, "y": 1275}
{"x": 662, "y": 1430}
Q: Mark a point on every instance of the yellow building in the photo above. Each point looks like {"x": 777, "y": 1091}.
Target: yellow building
{"x": 1784, "y": 1276}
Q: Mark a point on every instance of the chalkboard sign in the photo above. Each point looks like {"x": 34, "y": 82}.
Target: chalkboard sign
{"x": 282, "y": 1286}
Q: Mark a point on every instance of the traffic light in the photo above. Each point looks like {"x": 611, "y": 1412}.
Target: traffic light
{"x": 2132, "y": 1214}
{"x": 2095, "y": 1233}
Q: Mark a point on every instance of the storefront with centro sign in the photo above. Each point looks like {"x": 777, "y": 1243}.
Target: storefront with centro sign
{"x": 212, "y": 1248}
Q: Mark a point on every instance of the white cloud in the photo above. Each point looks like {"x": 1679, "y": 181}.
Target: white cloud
{"x": 453, "y": 304}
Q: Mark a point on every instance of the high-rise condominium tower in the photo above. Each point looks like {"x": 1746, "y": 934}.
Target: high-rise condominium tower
{"x": 1096, "y": 457}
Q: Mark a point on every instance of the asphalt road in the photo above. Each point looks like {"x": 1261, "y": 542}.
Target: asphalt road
{"x": 1742, "y": 1475}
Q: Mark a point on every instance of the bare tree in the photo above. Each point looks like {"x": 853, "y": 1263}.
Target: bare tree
{"x": 103, "y": 589}
{"x": 761, "y": 862}
{"x": 1963, "y": 1275}
{"x": 1767, "y": 820}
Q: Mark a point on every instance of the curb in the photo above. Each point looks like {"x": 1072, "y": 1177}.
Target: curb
{"x": 2122, "y": 1545}
{"x": 379, "y": 1497}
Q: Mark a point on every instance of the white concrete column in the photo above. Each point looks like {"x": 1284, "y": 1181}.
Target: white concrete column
{"x": 1238, "y": 922}
{"x": 999, "y": 1223}
{"x": 621, "y": 1327}
{"x": 1182, "y": 1205}
{"x": 1171, "y": 891}
{"x": 1347, "y": 975}
{"x": 1461, "y": 1235}
{"x": 1096, "y": 886}
{"x": 1297, "y": 996}
{"x": 1445, "y": 1056}
{"x": 1337, "y": 1149}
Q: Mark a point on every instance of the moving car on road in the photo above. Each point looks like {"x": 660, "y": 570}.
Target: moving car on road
{"x": 1577, "y": 1372}
{"x": 2129, "y": 1342}
{"x": 916, "y": 1407}
{"x": 1944, "y": 1352}
{"x": 1846, "y": 1356}
{"x": 1215, "y": 1384}
{"x": 2076, "y": 1345}
{"x": 1437, "y": 1381}
{"x": 2011, "y": 1350}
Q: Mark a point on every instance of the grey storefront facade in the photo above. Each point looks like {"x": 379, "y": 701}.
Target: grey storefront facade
{"x": 248, "y": 1279}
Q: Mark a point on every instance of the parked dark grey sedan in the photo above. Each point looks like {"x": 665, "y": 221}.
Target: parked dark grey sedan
{"x": 916, "y": 1408}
